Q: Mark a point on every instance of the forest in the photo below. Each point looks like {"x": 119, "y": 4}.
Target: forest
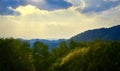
{"x": 97, "y": 55}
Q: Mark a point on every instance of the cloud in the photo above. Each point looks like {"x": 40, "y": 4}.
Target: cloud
{"x": 93, "y": 6}
{"x": 37, "y": 0}
{"x": 57, "y": 23}
{"x": 62, "y": 23}
{"x": 29, "y": 9}
{"x": 111, "y": 0}
{"x": 83, "y": 6}
{"x": 41, "y": 4}
{"x": 99, "y": 5}
{"x": 57, "y": 4}
{"x": 50, "y": 4}
{"x": 78, "y": 3}
{"x": 111, "y": 16}
{"x": 5, "y": 6}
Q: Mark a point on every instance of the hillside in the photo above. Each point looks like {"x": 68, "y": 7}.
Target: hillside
{"x": 112, "y": 33}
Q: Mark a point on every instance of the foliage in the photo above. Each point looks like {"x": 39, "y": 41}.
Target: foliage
{"x": 98, "y": 55}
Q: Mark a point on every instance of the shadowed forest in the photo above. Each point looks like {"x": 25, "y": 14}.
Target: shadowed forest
{"x": 97, "y": 55}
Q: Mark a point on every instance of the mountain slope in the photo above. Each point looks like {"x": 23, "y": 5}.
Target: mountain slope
{"x": 112, "y": 33}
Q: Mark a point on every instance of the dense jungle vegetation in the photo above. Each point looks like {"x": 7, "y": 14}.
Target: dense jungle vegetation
{"x": 98, "y": 55}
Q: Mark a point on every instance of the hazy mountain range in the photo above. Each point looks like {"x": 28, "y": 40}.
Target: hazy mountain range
{"x": 50, "y": 43}
{"x": 112, "y": 33}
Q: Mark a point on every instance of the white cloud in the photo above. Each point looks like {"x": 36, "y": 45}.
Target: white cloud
{"x": 63, "y": 23}
{"x": 78, "y": 3}
{"x": 111, "y": 0}
{"x": 38, "y": 3}
{"x": 29, "y": 9}
{"x": 10, "y": 8}
{"x": 37, "y": 0}
{"x": 111, "y": 16}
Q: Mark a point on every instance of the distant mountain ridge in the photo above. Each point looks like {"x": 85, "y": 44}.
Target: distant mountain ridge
{"x": 112, "y": 33}
{"x": 51, "y": 43}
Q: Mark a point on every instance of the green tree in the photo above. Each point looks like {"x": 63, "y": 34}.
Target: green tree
{"x": 40, "y": 56}
{"x": 14, "y": 55}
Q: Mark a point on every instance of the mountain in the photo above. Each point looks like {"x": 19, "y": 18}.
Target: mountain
{"x": 112, "y": 33}
{"x": 51, "y": 43}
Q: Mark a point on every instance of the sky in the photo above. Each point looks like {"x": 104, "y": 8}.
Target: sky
{"x": 54, "y": 19}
